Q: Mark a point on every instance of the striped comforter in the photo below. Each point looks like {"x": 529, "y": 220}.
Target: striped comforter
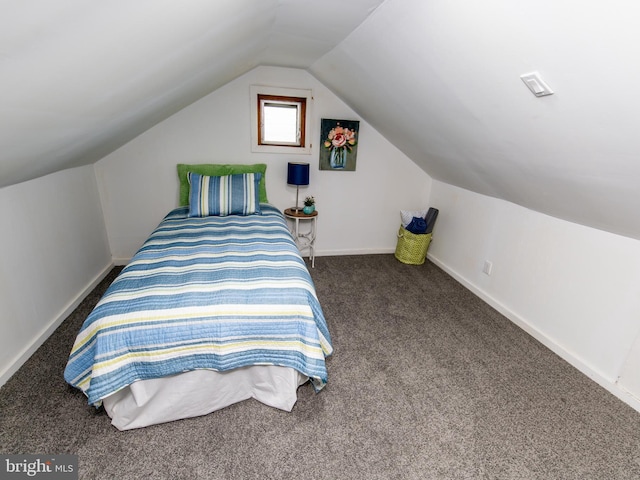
{"x": 204, "y": 293}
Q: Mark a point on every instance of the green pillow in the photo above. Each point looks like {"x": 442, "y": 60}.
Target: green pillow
{"x": 216, "y": 170}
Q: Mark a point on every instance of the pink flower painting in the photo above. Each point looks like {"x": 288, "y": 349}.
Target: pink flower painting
{"x": 339, "y": 144}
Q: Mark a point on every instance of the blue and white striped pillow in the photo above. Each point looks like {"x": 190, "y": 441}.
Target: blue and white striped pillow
{"x": 226, "y": 195}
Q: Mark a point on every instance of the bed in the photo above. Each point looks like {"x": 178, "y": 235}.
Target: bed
{"x": 212, "y": 310}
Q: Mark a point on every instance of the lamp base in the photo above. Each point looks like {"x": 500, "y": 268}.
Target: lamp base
{"x": 296, "y": 209}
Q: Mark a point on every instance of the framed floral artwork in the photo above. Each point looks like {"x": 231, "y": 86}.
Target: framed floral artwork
{"x": 338, "y": 144}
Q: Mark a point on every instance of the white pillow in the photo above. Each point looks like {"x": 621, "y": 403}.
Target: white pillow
{"x": 406, "y": 216}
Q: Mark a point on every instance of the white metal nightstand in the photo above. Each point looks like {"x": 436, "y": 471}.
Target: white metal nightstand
{"x": 304, "y": 240}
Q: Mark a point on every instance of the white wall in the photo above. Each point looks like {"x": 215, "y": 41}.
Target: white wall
{"x": 629, "y": 379}
{"x": 54, "y": 250}
{"x": 359, "y": 211}
{"x": 574, "y": 288}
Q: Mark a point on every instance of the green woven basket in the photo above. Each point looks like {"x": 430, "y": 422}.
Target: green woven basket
{"x": 412, "y": 248}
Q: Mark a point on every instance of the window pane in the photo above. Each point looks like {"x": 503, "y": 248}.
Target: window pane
{"x": 280, "y": 123}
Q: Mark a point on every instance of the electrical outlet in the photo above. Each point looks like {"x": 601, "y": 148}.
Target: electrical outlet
{"x": 488, "y": 266}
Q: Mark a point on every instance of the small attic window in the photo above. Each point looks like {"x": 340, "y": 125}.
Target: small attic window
{"x": 280, "y": 120}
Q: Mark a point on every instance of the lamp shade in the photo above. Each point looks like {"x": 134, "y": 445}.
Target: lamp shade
{"x": 298, "y": 174}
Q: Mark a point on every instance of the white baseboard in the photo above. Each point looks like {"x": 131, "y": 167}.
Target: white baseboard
{"x": 50, "y": 328}
{"x": 607, "y": 383}
{"x": 121, "y": 261}
{"x": 359, "y": 251}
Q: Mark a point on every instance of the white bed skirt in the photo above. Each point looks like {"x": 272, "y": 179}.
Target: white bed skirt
{"x": 199, "y": 392}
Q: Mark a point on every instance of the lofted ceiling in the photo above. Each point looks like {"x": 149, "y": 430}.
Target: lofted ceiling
{"x": 79, "y": 78}
{"x": 438, "y": 78}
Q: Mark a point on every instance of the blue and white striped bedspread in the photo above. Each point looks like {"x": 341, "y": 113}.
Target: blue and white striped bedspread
{"x": 204, "y": 293}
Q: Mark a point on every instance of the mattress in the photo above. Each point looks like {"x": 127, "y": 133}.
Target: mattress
{"x": 215, "y": 294}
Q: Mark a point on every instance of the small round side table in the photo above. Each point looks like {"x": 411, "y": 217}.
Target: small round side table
{"x": 307, "y": 239}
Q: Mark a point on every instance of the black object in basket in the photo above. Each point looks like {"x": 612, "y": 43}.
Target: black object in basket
{"x": 430, "y": 218}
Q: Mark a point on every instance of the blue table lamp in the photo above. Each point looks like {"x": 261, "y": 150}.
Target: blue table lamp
{"x": 297, "y": 174}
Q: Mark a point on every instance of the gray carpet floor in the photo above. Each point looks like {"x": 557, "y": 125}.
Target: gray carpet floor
{"x": 426, "y": 382}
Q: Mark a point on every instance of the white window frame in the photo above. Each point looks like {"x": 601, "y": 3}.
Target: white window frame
{"x": 261, "y": 147}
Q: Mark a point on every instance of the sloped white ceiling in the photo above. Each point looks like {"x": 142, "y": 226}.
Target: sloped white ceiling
{"x": 438, "y": 78}
{"x": 79, "y": 78}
